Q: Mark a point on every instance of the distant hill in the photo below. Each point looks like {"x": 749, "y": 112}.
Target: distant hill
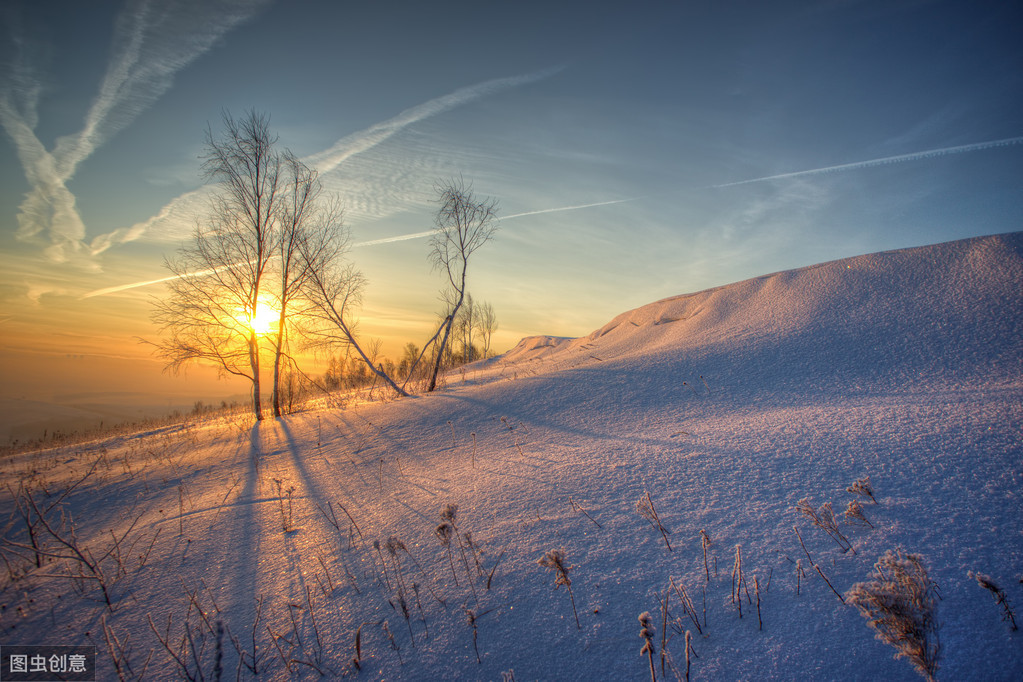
{"x": 948, "y": 315}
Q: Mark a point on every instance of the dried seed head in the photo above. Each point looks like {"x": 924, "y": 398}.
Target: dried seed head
{"x": 984, "y": 581}
{"x": 647, "y": 632}
{"x": 555, "y": 560}
{"x": 449, "y": 512}
{"x": 393, "y": 545}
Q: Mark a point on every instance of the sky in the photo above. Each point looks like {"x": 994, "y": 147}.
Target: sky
{"x": 635, "y": 153}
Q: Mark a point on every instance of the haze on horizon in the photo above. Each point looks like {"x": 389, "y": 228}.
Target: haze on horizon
{"x": 635, "y": 153}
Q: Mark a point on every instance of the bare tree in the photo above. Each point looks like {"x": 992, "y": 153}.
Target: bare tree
{"x": 212, "y": 311}
{"x": 465, "y": 323}
{"x": 464, "y": 223}
{"x": 335, "y": 290}
{"x": 487, "y": 327}
{"x": 306, "y": 227}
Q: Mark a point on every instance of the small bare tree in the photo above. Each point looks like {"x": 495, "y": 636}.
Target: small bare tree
{"x": 464, "y": 223}
{"x": 211, "y": 312}
{"x": 487, "y": 327}
{"x": 466, "y": 323}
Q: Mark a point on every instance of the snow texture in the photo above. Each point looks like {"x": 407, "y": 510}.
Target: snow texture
{"x": 726, "y": 406}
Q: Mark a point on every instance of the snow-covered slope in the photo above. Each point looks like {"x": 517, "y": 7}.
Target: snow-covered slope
{"x": 726, "y": 406}
{"x": 945, "y": 314}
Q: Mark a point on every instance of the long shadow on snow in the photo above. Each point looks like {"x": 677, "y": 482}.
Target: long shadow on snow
{"x": 244, "y": 545}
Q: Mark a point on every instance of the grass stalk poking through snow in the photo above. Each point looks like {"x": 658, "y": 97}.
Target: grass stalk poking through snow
{"x": 862, "y": 487}
{"x": 988, "y": 584}
{"x": 816, "y": 567}
{"x": 900, "y": 603}
{"x": 287, "y": 524}
{"x": 555, "y": 560}
{"x": 645, "y": 508}
{"x": 854, "y": 514}
{"x": 687, "y": 603}
{"x": 705, "y": 544}
{"x": 444, "y": 533}
{"x": 689, "y": 652}
{"x": 756, "y": 588}
{"x": 824, "y": 518}
{"x": 737, "y": 579}
{"x": 577, "y": 507}
{"x": 471, "y": 617}
{"x": 647, "y": 633}
{"x": 664, "y": 630}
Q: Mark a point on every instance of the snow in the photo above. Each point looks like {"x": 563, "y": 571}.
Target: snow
{"x": 727, "y": 406}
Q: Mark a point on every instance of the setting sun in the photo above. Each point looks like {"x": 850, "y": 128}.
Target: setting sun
{"x": 264, "y": 321}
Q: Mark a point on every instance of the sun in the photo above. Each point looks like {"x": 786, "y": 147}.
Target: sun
{"x": 264, "y": 321}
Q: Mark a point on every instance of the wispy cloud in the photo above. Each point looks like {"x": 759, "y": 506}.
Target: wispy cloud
{"x": 152, "y": 42}
{"x": 900, "y": 158}
{"x": 364, "y": 140}
{"x": 753, "y": 214}
{"x": 177, "y": 217}
{"x": 801, "y": 198}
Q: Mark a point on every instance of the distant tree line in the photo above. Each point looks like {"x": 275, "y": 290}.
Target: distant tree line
{"x": 268, "y": 273}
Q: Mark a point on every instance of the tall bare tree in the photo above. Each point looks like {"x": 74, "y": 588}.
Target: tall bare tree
{"x": 464, "y": 223}
{"x": 212, "y": 310}
{"x": 307, "y": 224}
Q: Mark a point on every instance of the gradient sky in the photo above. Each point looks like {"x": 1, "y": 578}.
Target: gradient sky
{"x": 861, "y": 126}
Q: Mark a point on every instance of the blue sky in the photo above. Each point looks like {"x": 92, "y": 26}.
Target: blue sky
{"x": 650, "y": 111}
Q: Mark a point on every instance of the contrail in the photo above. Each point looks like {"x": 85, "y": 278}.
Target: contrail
{"x": 420, "y": 235}
{"x": 570, "y": 208}
{"x": 396, "y": 238}
{"x": 356, "y": 143}
{"x": 135, "y": 285}
{"x": 344, "y": 149}
{"x": 931, "y": 153}
{"x": 901, "y": 158}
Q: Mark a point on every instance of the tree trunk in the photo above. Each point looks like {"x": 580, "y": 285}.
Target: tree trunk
{"x": 440, "y": 354}
{"x": 257, "y": 406}
{"x": 277, "y": 363}
{"x": 449, "y": 321}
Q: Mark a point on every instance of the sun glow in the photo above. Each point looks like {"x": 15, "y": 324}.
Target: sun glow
{"x": 264, "y": 321}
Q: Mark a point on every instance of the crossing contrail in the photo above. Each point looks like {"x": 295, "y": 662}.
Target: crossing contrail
{"x": 150, "y": 45}
{"x": 181, "y": 208}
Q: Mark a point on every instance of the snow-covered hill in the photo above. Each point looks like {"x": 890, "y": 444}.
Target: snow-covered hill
{"x": 727, "y": 407}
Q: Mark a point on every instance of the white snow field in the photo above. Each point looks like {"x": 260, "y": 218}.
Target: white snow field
{"x": 726, "y": 406}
